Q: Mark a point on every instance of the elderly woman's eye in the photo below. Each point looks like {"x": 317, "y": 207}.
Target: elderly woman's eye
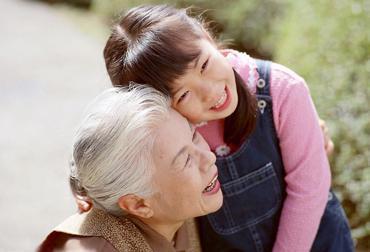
{"x": 188, "y": 160}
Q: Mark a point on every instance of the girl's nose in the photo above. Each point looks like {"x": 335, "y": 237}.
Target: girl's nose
{"x": 207, "y": 91}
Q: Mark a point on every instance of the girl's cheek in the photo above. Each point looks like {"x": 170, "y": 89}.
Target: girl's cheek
{"x": 187, "y": 113}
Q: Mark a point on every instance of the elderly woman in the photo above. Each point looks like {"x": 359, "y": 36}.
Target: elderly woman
{"x": 145, "y": 179}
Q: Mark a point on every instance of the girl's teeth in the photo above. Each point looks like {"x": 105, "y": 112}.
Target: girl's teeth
{"x": 220, "y": 101}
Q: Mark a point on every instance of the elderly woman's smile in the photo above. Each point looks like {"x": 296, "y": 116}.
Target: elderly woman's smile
{"x": 213, "y": 186}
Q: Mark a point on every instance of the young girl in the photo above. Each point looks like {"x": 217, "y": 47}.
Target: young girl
{"x": 257, "y": 116}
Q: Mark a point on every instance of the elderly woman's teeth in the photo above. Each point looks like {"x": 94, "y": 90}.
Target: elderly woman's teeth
{"x": 220, "y": 101}
{"x": 211, "y": 185}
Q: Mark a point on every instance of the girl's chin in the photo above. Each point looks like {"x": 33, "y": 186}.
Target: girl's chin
{"x": 212, "y": 115}
{"x": 225, "y": 113}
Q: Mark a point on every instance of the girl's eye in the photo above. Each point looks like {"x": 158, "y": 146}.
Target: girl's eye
{"x": 182, "y": 97}
{"x": 204, "y": 66}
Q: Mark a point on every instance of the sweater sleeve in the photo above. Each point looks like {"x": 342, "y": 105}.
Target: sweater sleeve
{"x": 307, "y": 169}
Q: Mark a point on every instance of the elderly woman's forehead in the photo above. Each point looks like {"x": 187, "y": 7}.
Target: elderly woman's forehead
{"x": 175, "y": 113}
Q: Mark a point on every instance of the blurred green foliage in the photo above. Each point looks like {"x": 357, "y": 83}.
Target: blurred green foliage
{"x": 328, "y": 43}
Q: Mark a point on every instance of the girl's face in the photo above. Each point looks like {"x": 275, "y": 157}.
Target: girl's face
{"x": 207, "y": 91}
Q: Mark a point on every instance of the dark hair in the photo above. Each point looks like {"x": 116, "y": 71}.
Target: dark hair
{"x": 153, "y": 44}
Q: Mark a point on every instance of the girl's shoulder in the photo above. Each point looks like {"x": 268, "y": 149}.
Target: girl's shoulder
{"x": 287, "y": 88}
{"x": 281, "y": 77}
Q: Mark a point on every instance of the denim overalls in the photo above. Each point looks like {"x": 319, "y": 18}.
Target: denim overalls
{"x": 252, "y": 180}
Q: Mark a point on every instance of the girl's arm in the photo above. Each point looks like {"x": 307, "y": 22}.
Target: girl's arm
{"x": 307, "y": 169}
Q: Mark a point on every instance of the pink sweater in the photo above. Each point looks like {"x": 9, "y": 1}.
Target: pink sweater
{"x": 307, "y": 169}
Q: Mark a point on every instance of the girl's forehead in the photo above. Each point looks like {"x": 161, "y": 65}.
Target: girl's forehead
{"x": 189, "y": 50}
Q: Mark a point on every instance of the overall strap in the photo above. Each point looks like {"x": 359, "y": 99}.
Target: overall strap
{"x": 263, "y": 83}
{"x": 263, "y": 94}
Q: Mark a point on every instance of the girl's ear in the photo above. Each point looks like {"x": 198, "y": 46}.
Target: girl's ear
{"x": 135, "y": 205}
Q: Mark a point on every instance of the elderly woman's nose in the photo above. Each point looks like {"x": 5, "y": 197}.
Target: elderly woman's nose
{"x": 207, "y": 160}
{"x": 206, "y": 156}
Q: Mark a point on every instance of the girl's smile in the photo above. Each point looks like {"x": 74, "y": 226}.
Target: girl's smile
{"x": 223, "y": 102}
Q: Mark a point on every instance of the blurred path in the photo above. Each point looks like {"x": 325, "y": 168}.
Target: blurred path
{"x": 49, "y": 71}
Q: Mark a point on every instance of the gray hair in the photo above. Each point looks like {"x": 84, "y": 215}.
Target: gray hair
{"x": 112, "y": 151}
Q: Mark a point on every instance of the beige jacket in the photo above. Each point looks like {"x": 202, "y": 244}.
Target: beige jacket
{"x": 97, "y": 230}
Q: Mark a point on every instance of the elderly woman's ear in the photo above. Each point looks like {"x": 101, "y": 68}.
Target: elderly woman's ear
{"x": 135, "y": 205}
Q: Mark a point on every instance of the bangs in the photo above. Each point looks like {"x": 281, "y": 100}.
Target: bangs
{"x": 160, "y": 59}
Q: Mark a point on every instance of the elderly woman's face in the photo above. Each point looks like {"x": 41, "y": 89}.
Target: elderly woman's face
{"x": 185, "y": 178}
